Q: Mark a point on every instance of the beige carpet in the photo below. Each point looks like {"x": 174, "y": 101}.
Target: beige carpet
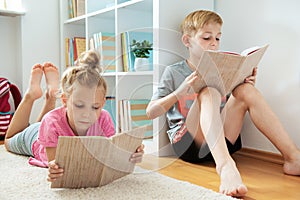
{"x": 19, "y": 180}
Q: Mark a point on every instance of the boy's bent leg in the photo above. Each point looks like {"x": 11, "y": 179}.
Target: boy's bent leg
{"x": 212, "y": 127}
{"x": 268, "y": 123}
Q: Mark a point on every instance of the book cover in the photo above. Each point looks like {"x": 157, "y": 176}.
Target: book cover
{"x": 93, "y": 161}
{"x": 125, "y": 60}
{"x": 121, "y": 116}
{"x": 79, "y": 46}
{"x": 226, "y": 70}
{"x": 110, "y": 106}
{"x": 80, "y": 7}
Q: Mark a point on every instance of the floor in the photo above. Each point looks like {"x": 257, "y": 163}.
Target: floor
{"x": 262, "y": 174}
{"x": 264, "y": 179}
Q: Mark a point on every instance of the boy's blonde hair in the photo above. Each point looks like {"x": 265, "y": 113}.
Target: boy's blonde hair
{"x": 86, "y": 73}
{"x": 197, "y": 19}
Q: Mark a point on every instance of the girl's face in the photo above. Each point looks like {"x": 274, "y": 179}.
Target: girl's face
{"x": 84, "y": 107}
{"x": 207, "y": 38}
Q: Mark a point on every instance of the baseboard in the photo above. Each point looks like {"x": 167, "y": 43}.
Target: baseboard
{"x": 261, "y": 155}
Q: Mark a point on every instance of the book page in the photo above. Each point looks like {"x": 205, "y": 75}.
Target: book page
{"x": 251, "y": 61}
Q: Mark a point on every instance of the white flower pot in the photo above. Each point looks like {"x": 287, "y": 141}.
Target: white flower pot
{"x": 141, "y": 64}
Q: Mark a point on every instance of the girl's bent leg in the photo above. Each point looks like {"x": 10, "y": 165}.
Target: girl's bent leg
{"x": 52, "y": 82}
{"x": 21, "y": 117}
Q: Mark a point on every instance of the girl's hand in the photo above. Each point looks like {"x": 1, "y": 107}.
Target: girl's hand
{"x": 138, "y": 155}
{"x": 188, "y": 86}
{"x": 54, "y": 171}
{"x": 252, "y": 79}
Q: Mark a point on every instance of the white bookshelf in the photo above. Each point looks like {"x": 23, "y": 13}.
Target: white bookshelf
{"x": 162, "y": 17}
{"x": 11, "y": 13}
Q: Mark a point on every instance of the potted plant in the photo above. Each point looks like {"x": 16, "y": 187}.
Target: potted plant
{"x": 141, "y": 51}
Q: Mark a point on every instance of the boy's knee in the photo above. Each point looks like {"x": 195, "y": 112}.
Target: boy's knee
{"x": 209, "y": 92}
{"x": 245, "y": 92}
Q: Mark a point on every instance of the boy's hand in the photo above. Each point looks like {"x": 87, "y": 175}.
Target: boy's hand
{"x": 54, "y": 171}
{"x": 138, "y": 155}
{"x": 188, "y": 86}
{"x": 252, "y": 79}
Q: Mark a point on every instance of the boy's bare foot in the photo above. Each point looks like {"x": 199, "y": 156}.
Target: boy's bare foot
{"x": 292, "y": 167}
{"x": 52, "y": 79}
{"x": 34, "y": 89}
{"x": 231, "y": 181}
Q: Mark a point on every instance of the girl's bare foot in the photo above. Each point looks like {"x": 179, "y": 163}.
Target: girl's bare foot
{"x": 231, "y": 181}
{"x": 52, "y": 79}
{"x": 34, "y": 90}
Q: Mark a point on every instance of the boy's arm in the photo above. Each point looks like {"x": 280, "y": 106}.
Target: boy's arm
{"x": 158, "y": 107}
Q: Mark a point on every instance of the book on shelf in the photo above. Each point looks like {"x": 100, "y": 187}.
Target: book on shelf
{"x": 80, "y": 7}
{"x": 128, "y": 57}
{"x": 110, "y": 106}
{"x": 105, "y": 43}
{"x": 225, "y": 70}
{"x": 132, "y": 114}
{"x": 76, "y": 8}
{"x": 79, "y": 46}
{"x": 93, "y": 161}
{"x": 74, "y": 47}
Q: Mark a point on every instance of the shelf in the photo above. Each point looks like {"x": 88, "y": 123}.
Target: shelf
{"x": 140, "y": 73}
{"x": 11, "y": 13}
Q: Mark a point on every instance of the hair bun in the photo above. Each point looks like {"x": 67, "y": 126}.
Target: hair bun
{"x": 90, "y": 60}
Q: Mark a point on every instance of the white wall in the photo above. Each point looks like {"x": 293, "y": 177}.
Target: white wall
{"x": 32, "y": 38}
{"x": 250, "y": 23}
{"x": 40, "y": 38}
{"x": 9, "y": 45}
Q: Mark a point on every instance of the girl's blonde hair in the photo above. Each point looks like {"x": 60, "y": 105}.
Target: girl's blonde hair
{"x": 86, "y": 72}
{"x": 197, "y": 19}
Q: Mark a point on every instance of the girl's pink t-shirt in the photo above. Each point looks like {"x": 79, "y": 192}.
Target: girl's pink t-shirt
{"x": 55, "y": 124}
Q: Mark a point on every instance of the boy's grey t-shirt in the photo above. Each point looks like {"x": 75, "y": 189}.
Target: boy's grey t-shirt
{"x": 171, "y": 79}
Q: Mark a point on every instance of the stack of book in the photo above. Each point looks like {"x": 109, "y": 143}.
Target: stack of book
{"x": 132, "y": 114}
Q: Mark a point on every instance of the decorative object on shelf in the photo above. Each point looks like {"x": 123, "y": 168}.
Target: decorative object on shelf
{"x": 141, "y": 51}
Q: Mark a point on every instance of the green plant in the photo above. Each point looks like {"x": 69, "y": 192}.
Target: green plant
{"x": 141, "y": 49}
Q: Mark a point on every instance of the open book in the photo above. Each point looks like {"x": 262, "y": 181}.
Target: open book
{"x": 226, "y": 70}
{"x": 92, "y": 161}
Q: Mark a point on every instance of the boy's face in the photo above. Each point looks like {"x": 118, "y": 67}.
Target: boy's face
{"x": 84, "y": 107}
{"x": 207, "y": 38}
